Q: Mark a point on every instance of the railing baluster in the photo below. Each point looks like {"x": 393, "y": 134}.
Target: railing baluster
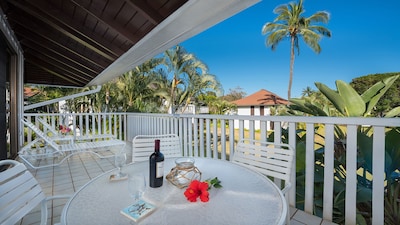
{"x": 208, "y": 138}
{"x": 190, "y": 136}
{"x": 223, "y": 139}
{"x": 241, "y": 129}
{"x": 215, "y": 138}
{"x": 263, "y": 130}
{"x": 378, "y": 182}
{"x": 185, "y": 136}
{"x": 292, "y": 142}
{"x": 231, "y": 138}
{"x": 310, "y": 160}
{"x": 351, "y": 175}
{"x": 196, "y": 137}
{"x": 201, "y": 133}
{"x": 328, "y": 172}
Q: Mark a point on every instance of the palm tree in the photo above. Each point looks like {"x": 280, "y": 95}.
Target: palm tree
{"x": 290, "y": 23}
{"x": 161, "y": 87}
{"x": 134, "y": 93}
{"x": 180, "y": 64}
{"x": 199, "y": 84}
{"x": 307, "y": 92}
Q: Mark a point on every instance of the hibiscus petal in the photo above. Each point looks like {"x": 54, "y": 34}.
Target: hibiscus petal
{"x": 203, "y": 186}
{"x": 204, "y": 197}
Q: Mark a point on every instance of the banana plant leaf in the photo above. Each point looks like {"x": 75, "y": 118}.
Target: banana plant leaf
{"x": 354, "y": 104}
{"x": 306, "y": 107}
{"x": 379, "y": 90}
{"x": 372, "y": 91}
{"x": 394, "y": 112}
{"x": 333, "y": 97}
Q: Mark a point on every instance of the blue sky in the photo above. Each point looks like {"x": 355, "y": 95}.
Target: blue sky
{"x": 365, "y": 40}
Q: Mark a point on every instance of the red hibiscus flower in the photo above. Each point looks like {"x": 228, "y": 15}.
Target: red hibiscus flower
{"x": 197, "y": 189}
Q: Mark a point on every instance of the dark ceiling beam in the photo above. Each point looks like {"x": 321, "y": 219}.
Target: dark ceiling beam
{"x": 49, "y": 41}
{"x": 55, "y": 73}
{"x": 143, "y": 8}
{"x": 76, "y": 32}
{"x": 52, "y": 64}
{"x": 62, "y": 52}
{"x": 63, "y": 65}
{"x": 109, "y": 22}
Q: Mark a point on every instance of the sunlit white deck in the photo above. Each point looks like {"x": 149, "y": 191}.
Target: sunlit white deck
{"x": 81, "y": 168}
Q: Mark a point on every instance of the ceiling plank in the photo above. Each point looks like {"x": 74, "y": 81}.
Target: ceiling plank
{"x": 67, "y": 27}
{"x": 55, "y": 65}
{"x": 143, "y": 8}
{"x": 63, "y": 53}
{"x": 109, "y": 22}
{"x": 57, "y": 61}
{"x": 53, "y": 72}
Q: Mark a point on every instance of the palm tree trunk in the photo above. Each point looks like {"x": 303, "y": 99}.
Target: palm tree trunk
{"x": 291, "y": 66}
{"x": 173, "y": 86}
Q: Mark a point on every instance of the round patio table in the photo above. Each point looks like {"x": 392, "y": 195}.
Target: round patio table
{"x": 247, "y": 197}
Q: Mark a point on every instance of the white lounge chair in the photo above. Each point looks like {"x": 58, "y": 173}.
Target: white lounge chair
{"x": 20, "y": 193}
{"x": 143, "y": 146}
{"x": 271, "y": 159}
{"x": 55, "y": 150}
{"x": 87, "y": 137}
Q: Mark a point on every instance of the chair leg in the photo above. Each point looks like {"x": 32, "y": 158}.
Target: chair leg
{"x": 44, "y": 212}
{"x": 288, "y": 210}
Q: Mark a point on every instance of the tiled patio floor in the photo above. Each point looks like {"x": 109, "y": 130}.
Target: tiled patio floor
{"x": 81, "y": 168}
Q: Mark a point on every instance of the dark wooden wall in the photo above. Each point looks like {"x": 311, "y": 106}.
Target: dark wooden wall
{"x": 4, "y": 62}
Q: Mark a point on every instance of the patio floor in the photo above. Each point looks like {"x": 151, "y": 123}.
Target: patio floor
{"x": 81, "y": 168}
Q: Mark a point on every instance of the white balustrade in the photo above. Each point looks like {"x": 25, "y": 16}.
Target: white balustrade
{"x": 214, "y": 136}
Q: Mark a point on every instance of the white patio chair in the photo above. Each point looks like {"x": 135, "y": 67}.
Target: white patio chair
{"x": 270, "y": 159}
{"x": 32, "y": 152}
{"x": 143, "y": 146}
{"x": 20, "y": 193}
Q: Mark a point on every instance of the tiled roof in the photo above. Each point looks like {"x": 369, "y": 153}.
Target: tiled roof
{"x": 29, "y": 92}
{"x": 262, "y": 97}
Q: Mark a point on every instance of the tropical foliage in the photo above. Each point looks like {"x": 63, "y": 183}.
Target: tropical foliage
{"x": 290, "y": 23}
{"x": 389, "y": 100}
{"x": 346, "y": 102}
{"x": 163, "y": 84}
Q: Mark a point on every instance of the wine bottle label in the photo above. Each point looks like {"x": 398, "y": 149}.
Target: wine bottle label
{"x": 159, "y": 169}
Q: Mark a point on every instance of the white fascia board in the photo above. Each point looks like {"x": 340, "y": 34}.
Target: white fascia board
{"x": 192, "y": 18}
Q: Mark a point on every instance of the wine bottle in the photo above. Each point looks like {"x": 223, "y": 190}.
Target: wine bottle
{"x": 156, "y": 166}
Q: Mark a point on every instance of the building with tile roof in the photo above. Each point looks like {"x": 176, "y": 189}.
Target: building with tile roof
{"x": 258, "y": 104}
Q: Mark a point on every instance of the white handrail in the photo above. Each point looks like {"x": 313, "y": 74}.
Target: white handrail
{"x": 32, "y": 106}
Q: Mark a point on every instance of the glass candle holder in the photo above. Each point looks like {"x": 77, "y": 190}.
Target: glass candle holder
{"x": 183, "y": 173}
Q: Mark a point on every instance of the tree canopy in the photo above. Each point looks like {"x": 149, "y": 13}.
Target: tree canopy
{"x": 290, "y": 23}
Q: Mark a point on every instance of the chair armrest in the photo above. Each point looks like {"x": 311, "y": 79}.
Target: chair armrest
{"x": 49, "y": 198}
{"x": 288, "y": 185}
{"x": 44, "y": 206}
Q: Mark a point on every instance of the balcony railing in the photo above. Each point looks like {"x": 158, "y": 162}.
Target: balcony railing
{"x": 215, "y": 136}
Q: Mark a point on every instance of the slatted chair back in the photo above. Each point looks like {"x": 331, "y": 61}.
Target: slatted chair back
{"x": 19, "y": 193}
{"x": 41, "y": 134}
{"x": 143, "y": 146}
{"x": 47, "y": 126}
{"x": 271, "y": 159}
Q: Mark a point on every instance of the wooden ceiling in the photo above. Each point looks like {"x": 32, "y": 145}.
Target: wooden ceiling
{"x": 70, "y": 42}
{"x": 81, "y": 43}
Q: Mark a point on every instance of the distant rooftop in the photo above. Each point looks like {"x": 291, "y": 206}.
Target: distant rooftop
{"x": 261, "y": 98}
